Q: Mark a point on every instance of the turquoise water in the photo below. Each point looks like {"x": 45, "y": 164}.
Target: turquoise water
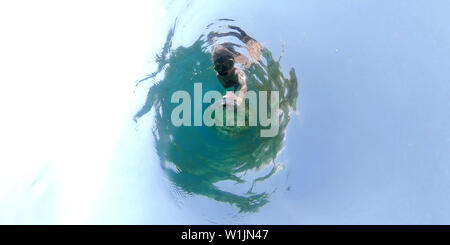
{"x": 200, "y": 160}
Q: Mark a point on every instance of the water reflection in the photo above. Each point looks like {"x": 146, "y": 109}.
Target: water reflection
{"x": 201, "y": 160}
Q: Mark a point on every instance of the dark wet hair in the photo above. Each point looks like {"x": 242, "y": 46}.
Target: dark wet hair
{"x": 223, "y": 60}
{"x": 223, "y": 64}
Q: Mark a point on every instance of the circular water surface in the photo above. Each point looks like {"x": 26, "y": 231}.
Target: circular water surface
{"x": 204, "y": 160}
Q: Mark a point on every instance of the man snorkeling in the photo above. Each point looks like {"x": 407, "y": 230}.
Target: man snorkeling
{"x": 224, "y": 58}
{"x": 229, "y": 75}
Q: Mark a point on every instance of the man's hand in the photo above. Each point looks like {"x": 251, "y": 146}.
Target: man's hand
{"x": 231, "y": 98}
{"x": 238, "y": 101}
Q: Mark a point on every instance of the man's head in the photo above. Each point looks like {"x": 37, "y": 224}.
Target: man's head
{"x": 223, "y": 59}
{"x": 224, "y": 64}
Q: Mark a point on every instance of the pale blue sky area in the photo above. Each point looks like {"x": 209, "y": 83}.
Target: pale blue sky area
{"x": 372, "y": 142}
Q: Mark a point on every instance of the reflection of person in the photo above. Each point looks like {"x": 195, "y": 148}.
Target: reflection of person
{"x": 224, "y": 57}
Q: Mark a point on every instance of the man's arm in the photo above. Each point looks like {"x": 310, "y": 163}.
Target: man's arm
{"x": 242, "y": 79}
